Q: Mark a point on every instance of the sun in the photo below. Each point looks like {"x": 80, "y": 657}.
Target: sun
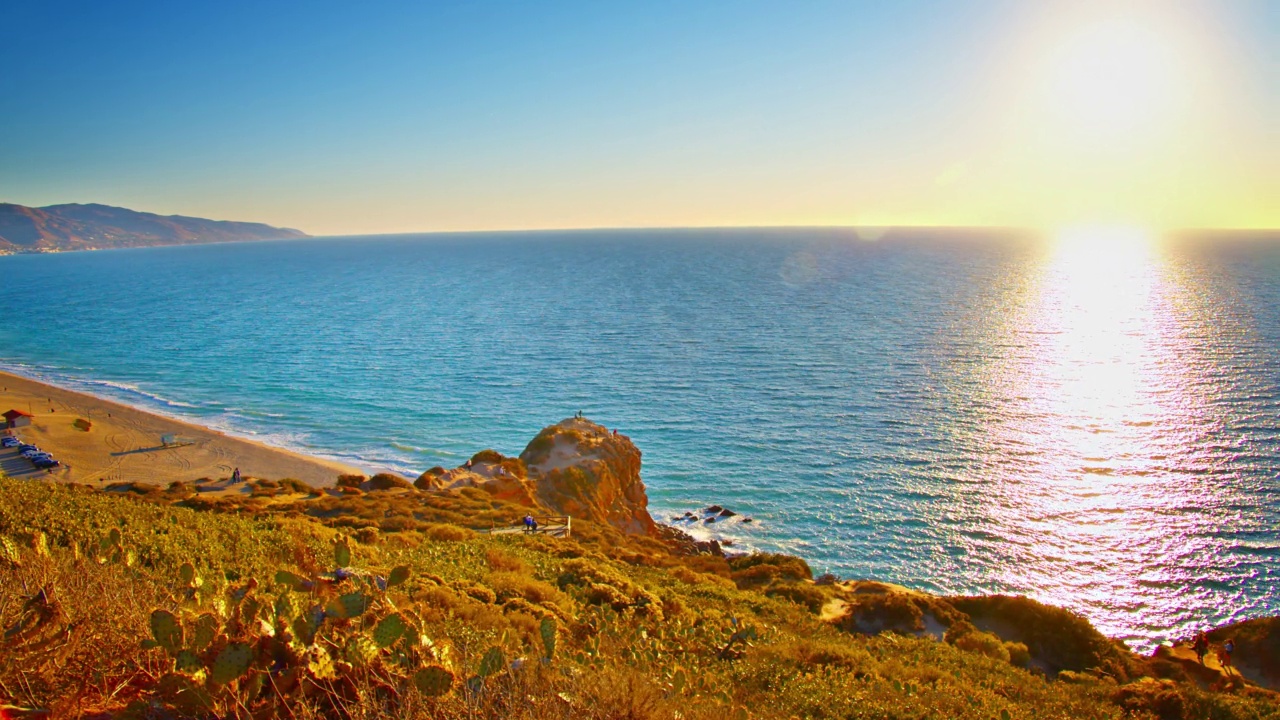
{"x": 1113, "y": 78}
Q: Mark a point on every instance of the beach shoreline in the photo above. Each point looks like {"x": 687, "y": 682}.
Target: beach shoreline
{"x": 125, "y": 443}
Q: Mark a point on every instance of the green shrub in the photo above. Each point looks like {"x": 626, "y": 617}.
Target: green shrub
{"x": 351, "y": 481}
{"x": 387, "y": 481}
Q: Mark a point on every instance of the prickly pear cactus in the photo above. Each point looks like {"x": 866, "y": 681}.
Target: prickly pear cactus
{"x": 167, "y": 631}
{"x": 389, "y": 630}
{"x": 9, "y": 551}
{"x": 398, "y": 575}
{"x": 320, "y": 663}
{"x": 360, "y": 651}
{"x": 304, "y": 629}
{"x": 40, "y": 543}
{"x": 187, "y": 663}
{"x": 203, "y": 631}
{"x": 433, "y": 681}
{"x": 296, "y": 582}
{"x": 342, "y": 554}
{"x": 547, "y": 628}
{"x": 492, "y": 663}
{"x": 231, "y": 663}
{"x": 348, "y": 606}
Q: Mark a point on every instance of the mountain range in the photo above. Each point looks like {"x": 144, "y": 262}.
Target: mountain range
{"x": 74, "y": 226}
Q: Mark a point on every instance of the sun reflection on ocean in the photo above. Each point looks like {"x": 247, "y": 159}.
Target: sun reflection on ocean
{"x": 1096, "y": 402}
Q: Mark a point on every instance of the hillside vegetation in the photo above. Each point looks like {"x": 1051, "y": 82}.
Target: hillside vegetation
{"x": 126, "y": 605}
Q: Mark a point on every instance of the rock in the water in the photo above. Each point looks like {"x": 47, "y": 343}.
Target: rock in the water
{"x": 713, "y": 509}
{"x": 583, "y": 470}
{"x": 747, "y": 519}
{"x": 709, "y": 520}
{"x": 726, "y": 512}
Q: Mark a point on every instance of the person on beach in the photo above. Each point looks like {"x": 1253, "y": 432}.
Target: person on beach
{"x": 528, "y": 523}
{"x": 1201, "y": 646}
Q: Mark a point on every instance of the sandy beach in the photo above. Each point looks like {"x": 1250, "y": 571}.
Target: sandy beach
{"x": 124, "y": 444}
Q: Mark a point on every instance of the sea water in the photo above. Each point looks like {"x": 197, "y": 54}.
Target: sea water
{"x": 1096, "y": 427}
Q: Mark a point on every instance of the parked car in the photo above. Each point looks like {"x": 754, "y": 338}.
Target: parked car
{"x": 10, "y": 442}
{"x": 39, "y": 456}
{"x": 46, "y": 463}
{"x": 24, "y": 447}
{"x": 31, "y": 452}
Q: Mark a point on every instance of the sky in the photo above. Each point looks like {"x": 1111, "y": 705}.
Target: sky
{"x": 353, "y": 118}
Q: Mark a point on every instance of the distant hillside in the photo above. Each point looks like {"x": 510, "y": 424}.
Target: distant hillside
{"x": 92, "y": 227}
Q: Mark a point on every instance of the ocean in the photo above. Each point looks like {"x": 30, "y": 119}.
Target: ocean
{"x": 1097, "y": 427}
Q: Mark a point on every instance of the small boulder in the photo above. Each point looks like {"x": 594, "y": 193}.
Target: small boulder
{"x": 713, "y": 510}
{"x": 709, "y": 520}
{"x": 726, "y": 512}
{"x": 747, "y": 519}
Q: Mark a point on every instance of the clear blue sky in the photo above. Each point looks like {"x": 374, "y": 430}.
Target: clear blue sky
{"x": 373, "y": 117}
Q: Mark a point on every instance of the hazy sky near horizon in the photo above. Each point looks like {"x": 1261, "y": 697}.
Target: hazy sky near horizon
{"x": 343, "y": 118}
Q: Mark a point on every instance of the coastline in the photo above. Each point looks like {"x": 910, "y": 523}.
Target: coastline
{"x": 124, "y": 443}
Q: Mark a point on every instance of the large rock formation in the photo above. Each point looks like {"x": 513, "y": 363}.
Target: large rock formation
{"x": 575, "y": 468}
{"x": 585, "y": 471}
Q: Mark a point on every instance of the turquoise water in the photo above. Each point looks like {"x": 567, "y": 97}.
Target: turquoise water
{"x": 1096, "y": 427}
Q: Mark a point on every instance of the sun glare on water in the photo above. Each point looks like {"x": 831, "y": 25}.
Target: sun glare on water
{"x": 1096, "y": 396}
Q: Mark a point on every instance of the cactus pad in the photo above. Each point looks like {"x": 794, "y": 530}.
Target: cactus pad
{"x": 167, "y": 630}
{"x": 187, "y": 663}
{"x": 304, "y": 630}
{"x": 342, "y": 554}
{"x": 320, "y": 664}
{"x": 433, "y": 681}
{"x": 40, "y": 543}
{"x": 294, "y": 581}
{"x": 9, "y": 551}
{"x": 187, "y": 573}
{"x": 203, "y": 631}
{"x": 231, "y": 663}
{"x": 492, "y": 663}
{"x": 347, "y": 606}
{"x": 286, "y": 606}
{"x": 389, "y": 630}
{"x": 360, "y": 651}
{"x": 398, "y": 575}
{"x": 547, "y": 628}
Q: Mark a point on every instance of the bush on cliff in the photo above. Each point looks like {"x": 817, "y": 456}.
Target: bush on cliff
{"x": 1058, "y": 639}
{"x": 387, "y": 481}
{"x": 759, "y": 569}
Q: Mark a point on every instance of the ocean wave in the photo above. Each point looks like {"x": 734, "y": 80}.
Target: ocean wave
{"x": 423, "y": 450}
{"x": 134, "y": 390}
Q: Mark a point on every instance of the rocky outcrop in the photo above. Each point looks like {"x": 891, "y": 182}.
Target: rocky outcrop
{"x": 576, "y": 468}
{"x": 503, "y": 477}
{"x": 584, "y": 470}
